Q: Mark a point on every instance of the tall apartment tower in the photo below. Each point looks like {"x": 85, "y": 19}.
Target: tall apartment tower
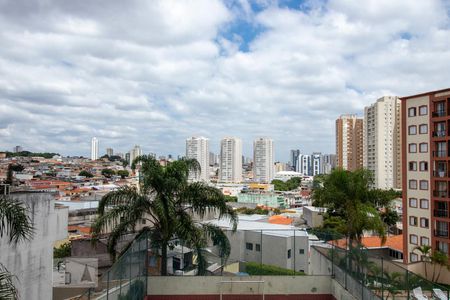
{"x": 263, "y": 164}
{"x": 294, "y": 159}
{"x": 382, "y": 143}
{"x": 316, "y": 164}
{"x": 349, "y": 142}
{"x": 230, "y": 165}
{"x": 198, "y": 148}
{"x": 134, "y": 153}
{"x": 94, "y": 148}
{"x": 109, "y": 151}
{"x": 425, "y": 165}
{"x": 304, "y": 164}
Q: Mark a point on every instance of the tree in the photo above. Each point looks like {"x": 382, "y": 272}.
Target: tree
{"x": 62, "y": 251}
{"x": 85, "y": 174}
{"x": 438, "y": 259}
{"x": 167, "y": 200}
{"x": 123, "y": 173}
{"x": 17, "y": 226}
{"x": 348, "y": 196}
{"x": 108, "y": 173}
{"x": 289, "y": 185}
{"x": 425, "y": 251}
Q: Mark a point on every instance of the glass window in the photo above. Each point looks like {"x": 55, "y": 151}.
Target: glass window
{"x": 412, "y": 148}
{"x": 423, "y": 147}
{"x": 301, "y": 251}
{"x": 423, "y": 128}
{"x": 424, "y": 222}
{"x": 412, "y": 202}
{"x": 413, "y": 221}
{"x": 424, "y": 241}
{"x": 413, "y": 184}
{"x": 424, "y": 203}
{"x": 249, "y": 246}
{"x": 414, "y": 257}
{"x": 423, "y": 110}
{"x": 412, "y": 130}
{"x": 424, "y": 184}
{"x": 289, "y": 253}
{"x": 423, "y": 166}
{"x": 413, "y": 166}
{"x": 258, "y": 247}
{"x": 412, "y": 112}
{"x": 413, "y": 239}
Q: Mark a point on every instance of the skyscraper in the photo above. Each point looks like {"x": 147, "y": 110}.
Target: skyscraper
{"x": 134, "y": 153}
{"x": 109, "y": 151}
{"x": 230, "y": 160}
{"x": 349, "y": 142}
{"x": 316, "y": 164}
{"x": 304, "y": 164}
{"x": 263, "y": 164}
{"x": 94, "y": 148}
{"x": 293, "y": 159}
{"x": 382, "y": 142}
{"x": 198, "y": 148}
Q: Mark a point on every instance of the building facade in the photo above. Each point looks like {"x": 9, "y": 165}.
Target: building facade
{"x": 263, "y": 164}
{"x": 382, "y": 143}
{"x": 109, "y": 152}
{"x": 293, "y": 159}
{"x": 349, "y": 142}
{"x": 134, "y": 153}
{"x": 425, "y": 165}
{"x": 230, "y": 160}
{"x": 198, "y": 148}
{"x": 94, "y": 148}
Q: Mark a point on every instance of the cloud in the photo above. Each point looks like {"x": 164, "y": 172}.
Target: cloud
{"x": 154, "y": 73}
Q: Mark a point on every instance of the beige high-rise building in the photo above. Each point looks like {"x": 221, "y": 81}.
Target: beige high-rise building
{"x": 349, "y": 142}
{"x": 230, "y": 160}
{"x": 198, "y": 148}
{"x": 263, "y": 164}
{"x": 382, "y": 142}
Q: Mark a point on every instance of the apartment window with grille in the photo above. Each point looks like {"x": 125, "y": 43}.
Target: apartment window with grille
{"x": 414, "y": 257}
{"x": 424, "y": 241}
{"x": 423, "y": 110}
{"x": 412, "y": 202}
{"x": 413, "y": 166}
{"x": 412, "y": 112}
{"x": 412, "y": 148}
{"x": 413, "y": 239}
{"x": 258, "y": 247}
{"x": 424, "y": 223}
{"x": 424, "y": 203}
{"x": 423, "y": 128}
{"x": 249, "y": 246}
{"x": 413, "y": 221}
{"x": 424, "y": 184}
{"x": 423, "y": 166}
{"x": 301, "y": 251}
{"x": 289, "y": 253}
{"x": 423, "y": 147}
{"x": 413, "y": 184}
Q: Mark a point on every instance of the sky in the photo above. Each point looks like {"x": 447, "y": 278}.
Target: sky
{"x": 154, "y": 73}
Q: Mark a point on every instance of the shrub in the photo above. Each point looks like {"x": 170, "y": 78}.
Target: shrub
{"x": 253, "y": 268}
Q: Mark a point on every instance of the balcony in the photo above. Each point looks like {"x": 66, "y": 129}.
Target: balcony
{"x": 438, "y": 113}
{"x": 440, "y": 194}
{"x": 439, "y": 133}
{"x": 441, "y": 213}
{"x": 441, "y": 233}
{"x": 440, "y": 153}
{"x": 440, "y": 174}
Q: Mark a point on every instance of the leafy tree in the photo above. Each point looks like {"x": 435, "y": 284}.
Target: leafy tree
{"x": 85, "y": 174}
{"x": 438, "y": 259}
{"x": 63, "y": 251}
{"x": 389, "y": 217}
{"x": 167, "y": 200}
{"x": 123, "y": 173}
{"x": 108, "y": 173}
{"x": 289, "y": 185}
{"x": 425, "y": 252}
{"x": 17, "y": 226}
{"x": 230, "y": 198}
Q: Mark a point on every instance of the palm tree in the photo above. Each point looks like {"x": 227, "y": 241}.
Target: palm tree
{"x": 169, "y": 202}
{"x": 425, "y": 251}
{"x": 17, "y": 226}
{"x": 438, "y": 259}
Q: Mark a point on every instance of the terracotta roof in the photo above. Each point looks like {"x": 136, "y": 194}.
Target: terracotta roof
{"x": 394, "y": 242}
{"x": 279, "y": 219}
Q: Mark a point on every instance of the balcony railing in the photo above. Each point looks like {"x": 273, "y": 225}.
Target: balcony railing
{"x": 440, "y": 153}
{"x": 440, "y": 194}
{"x": 441, "y": 233}
{"x": 438, "y": 113}
{"x": 440, "y": 174}
{"x": 441, "y": 213}
{"x": 439, "y": 133}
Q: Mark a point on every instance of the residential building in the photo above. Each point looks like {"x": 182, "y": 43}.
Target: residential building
{"x": 230, "y": 160}
{"x": 263, "y": 165}
{"x": 316, "y": 164}
{"x": 304, "y": 164}
{"x": 94, "y": 148}
{"x": 198, "y": 148}
{"x": 286, "y": 175}
{"x": 349, "y": 142}
{"x": 109, "y": 152}
{"x": 328, "y": 163}
{"x": 134, "y": 153}
{"x": 213, "y": 159}
{"x": 382, "y": 143}
{"x": 17, "y": 149}
{"x": 293, "y": 159}
{"x": 425, "y": 166}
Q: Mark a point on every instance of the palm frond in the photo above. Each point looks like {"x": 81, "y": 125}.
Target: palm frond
{"x": 14, "y": 220}
{"x": 7, "y": 288}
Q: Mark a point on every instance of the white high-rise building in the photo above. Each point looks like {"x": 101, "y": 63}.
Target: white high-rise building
{"x": 316, "y": 164}
{"x": 382, "y": 144}
{"x": 134, "y": 153}
{"x": 94, "y": 148}
{"x": 230, "y": 160}
{"x": 304, "y": 164}
{"x": 263, "y": 165}
{"x": 198, "y": 148}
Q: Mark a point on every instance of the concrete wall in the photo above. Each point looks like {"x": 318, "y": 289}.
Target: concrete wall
{"x": 32, "y": 261}
{"x": 419, "y": 269}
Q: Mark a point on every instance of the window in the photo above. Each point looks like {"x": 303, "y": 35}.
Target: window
{"x": 301, "y": 251}
{"x": 412, "y": 130}
{"x": 424, "y": 184}
{"x": 258, "y": 247}
{"x": 423, "y": 128}
{"x": 423, "y": 147}
{"x": 413, "y": 221}
{"x": 423, "y": 110}
{"x": 424, "y": 222}
{"x": 412, "y": 148}
{"x": 413, "y": 166}
{"x": 423, "y": 166}
{"x": 413, "y": 239}
{"x": 414, "y": 257}
{"x": 413, "y": 184}
{"x": 424, "y": 241}
{"x": 424, "y": 203}
{"x": 152, "y": 261}
{"x": 289, "y": 253}
{"x": 412, "y": 112}
{"x": 412, "y": 202}
{"x": 249, "y": 246}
